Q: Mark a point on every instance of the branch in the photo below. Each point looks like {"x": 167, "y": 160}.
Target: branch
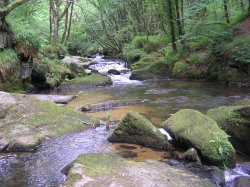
{"x": 64, "y": 11}
{"x": 6, "y": 10}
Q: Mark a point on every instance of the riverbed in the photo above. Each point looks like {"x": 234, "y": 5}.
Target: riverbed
{"x": 160, "y": 99}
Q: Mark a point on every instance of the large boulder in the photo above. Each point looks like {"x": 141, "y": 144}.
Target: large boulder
{"x": 26, "y": 121}
{"x": 99, "y": 170}
{"x": 91, "y": 80}
{"x": 235, "y": 120}
{"x": 194, "y": 129}
{"x": 136, "y": 129}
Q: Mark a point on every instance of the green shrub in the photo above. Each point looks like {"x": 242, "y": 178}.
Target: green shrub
{"x": 26, "y": 43}
{"x": 238, "y": 50}
{"x": 180, "y": 69}
{"x": 194, "y": 59}
{"x": 132, "y": 54}
{"x": 199, "y": 43}
{"x": 8, "y": 59}
{"x": 172, "y": 56}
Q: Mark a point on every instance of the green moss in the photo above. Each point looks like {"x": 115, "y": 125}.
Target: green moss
{"x": 83, "y": 59}
{"x": 195, "y": 129}
{"x": 235, "y": 120}
{"x": 111, "y": 170}
{"x": 8, "y": 59}
{"x": 92, "y": 80}
{"x": 57, "y": 120}
{"x": 136, "y": 129}
{"x": 150, "y": 68}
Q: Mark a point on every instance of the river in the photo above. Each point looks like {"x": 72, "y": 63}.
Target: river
{"x": 159, "y": 100}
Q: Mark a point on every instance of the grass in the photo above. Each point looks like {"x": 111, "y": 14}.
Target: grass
{"x": 8, "y": 59}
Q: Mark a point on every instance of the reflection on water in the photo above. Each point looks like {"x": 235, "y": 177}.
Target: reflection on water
{"x": 139, "y": 153}
{"x": 164, "y": 98}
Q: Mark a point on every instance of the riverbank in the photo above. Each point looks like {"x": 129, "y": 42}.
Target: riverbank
{"x": 26, "y": 121}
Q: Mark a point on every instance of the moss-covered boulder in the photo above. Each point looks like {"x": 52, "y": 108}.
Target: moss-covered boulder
{"x": 99, "y": 170}
{"x": 235, "y": 120}
{"x": 194, "y": 129}
{"x": 27, "y": 121}
{"x": 151, "y": 68}
{"x": 91, "y": 80}
{"x": 136, "y": 129}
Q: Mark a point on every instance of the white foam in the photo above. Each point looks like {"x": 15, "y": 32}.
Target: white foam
{"x": 166, "y": 134}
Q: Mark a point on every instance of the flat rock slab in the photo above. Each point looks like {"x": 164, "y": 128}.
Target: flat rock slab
{"x": 100, "y": 170}
{"x": 6, "y": 99}
{"x": 77, "y": 60}
{"x": 59, "y": 99}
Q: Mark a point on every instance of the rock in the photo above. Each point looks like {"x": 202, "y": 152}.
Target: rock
{"x": 29, "y": 120}
{"x": 218, "y": 176}
{"x": 235, "y": 120}
{"x": 3, "y": 112}
{"x": 109, "y": 105}
{"x": 191, "y": 155}
{"x": 88, "y": 71}
{"x": 114, "y": 72}
{"x": 77, "y": 70}
{"x": 245, "y": 167}
{"x": 194, "y": 129}
{"x": 242, "y": 182}
{"x": 78, "y": 61}
{"x": 6, "y": 99}
{"x": 110, "y": 170}
{"x": 91, "y": 80}
{"x": 59, "y": 99}
{"x": 136, "y": 129}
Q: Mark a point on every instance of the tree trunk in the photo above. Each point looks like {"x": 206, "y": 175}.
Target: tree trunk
{"x": 249, "y": 7}
{"x": 51, "y": 21}
{"x": 171, "y": 22}
{"x": 178, "y": 20}
{"x": 65, "y": 27}
{"x": 5, "y": 34}
{"x": 182, "y": 17}
{"x": 226, "y": 11}
{"x": 242, "y": 5}
{"x": 56, "y": 23}
{"x": 70, "y": 22}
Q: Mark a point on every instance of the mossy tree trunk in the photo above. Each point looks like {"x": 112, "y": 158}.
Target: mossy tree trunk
{"x": 172, "y": 25}
{"x": 225, "y": 5}
{"x": 5, "y": 33}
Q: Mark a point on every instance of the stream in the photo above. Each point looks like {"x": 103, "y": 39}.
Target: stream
{"x": 161, "y": 99}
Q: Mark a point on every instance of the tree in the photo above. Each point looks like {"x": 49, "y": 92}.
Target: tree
{"x": 249, "y": 7}
{"x": 56, "y": 17}
{"x": 172, "y": 25}
{"x": 225, "y": 5}
{"x": 6, "y": 7}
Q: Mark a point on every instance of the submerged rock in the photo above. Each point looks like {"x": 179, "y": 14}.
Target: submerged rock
{"x": 242, "y": 182}
{"x": 194, "y": 129}
{"x": 99, "y": 170}
{"x": 29, "y": 120}
{"x": 191, "y": 154}
{"x": 110, "y": 105}
{"x": 136, "y": 129}
{"x": 114, "y": 72}
{"x": 235, "y": 120}
{"x": 60, "y": 99}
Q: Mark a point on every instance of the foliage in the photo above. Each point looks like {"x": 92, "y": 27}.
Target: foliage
{"x": 8, "y": 59}
{"x": 224, "y": 147}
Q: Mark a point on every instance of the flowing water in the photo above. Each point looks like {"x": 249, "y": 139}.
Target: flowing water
{"x": 161, "y": 99}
